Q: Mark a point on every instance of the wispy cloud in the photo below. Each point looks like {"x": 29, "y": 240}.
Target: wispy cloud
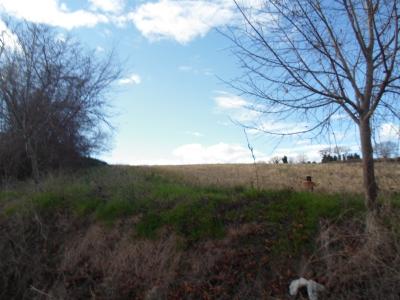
{"x": 194, "y": 133}
{"x": 9, "y": 38}
{"x": 185, "y": 68}
{"x": 197, "y": 153}
{"x": 275, "y": 127}
{"x": 251, "y": 116}
{"x": 196, "y": 71}
{"x": 112, "y": 6}
{"x": 236, "y": 107}
{"x": 226, "y": 100}
{"x": 389, "y": 131}
{"x": 132, "y": 79}
{"x": 100, "y": 49}
{"x": 218, "y": 153}
{"x": 51, "y": 12}
{"x": 235, "y": 153}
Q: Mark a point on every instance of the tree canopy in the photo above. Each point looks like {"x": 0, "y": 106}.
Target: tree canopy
{"x": 53, "y": 99}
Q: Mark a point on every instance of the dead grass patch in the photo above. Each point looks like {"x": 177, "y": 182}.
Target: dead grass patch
{"x": 331, "y": 178}
{"x": 354, "y": 265}
{"x": 110, "y": 264}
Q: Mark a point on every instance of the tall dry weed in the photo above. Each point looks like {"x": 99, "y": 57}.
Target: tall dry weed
{"x": 116, "y": 266}
{"x": 356, "y": 265}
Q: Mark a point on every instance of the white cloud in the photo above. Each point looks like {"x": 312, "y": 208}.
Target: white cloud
{"x": 340, "y": 117}
{"x": 389, "y": 131}
{"x": 185, "y": 20}
{"x": 51, "y": 12}
{"x": 112, "y": 6}
{"x": 278, "y": 127}
{"x": 185, "y": 68}
{"x": 64, "y": 7}
{"x": 60, "y": 37}
{"x": 181, "y": 20}
{"x": 208, "y": 72}
{"x": 234, "y": 153}
{"x": 196, "y": 71}
{"x": 194, "y": 133}
{"x": 9, "y": 39}
{"x": 132, "y": 79}
{"x": 235, "y": 107}
{"x": 100, "y": 49}
{"x": 250, "y": 115}
{"x": 228, "y": 101}
{"x": 218, "y": 153}
{"x": 311, "y": 151}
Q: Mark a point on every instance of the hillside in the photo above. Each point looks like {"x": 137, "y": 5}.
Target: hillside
{"x": 196, "y": 232}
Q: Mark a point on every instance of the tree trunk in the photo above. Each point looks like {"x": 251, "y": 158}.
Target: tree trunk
{"x": 370, "y": 186}
{"x": 34, "y": 162}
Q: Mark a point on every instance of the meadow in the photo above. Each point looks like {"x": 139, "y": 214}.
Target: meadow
{"x": 331, "y": 178}
{"x": 196, "y": 232}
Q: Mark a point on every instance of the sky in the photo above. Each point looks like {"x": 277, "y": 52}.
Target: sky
{"x": 172, "y": 105}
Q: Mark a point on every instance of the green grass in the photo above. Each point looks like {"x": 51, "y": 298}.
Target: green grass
{"x": 8, "y": 195}
{"x": 113, "y": 210}
{"x": 295, "y": 216}
{"x": 107, "y": 194}
{"x": 193, "y": 219}
{"x": 86, "y": 205}
{"x": 47, "y": 200}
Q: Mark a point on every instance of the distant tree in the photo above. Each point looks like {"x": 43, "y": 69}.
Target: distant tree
{"x": 386, "y": 149}
{"x": 52, "y": 99}
{"x": 340, "y": 151}
{"x": 310, "y": 59}
{"x": 353, "y": 157}
{"x": 325, "y": 155}
{"x": 285, "y": 159}
{"x": 325, "y": 151}
{"x": 337, "y": 153}
{"x": 301, "y": 158}
{"x": 274, "y": 160}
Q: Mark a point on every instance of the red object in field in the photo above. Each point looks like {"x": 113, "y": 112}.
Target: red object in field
{"x": 309, "y": 184}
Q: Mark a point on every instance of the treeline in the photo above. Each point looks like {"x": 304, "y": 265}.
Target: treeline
{"x": 53, "y": 99}
{"x": 326, "y": 158}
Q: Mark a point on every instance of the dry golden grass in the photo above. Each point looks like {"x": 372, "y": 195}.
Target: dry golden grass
{"x": 128, "y": 268}
{"x": 329, "y": 178}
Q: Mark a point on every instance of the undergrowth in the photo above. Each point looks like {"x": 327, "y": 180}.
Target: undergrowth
{"x": 205, "y": 241}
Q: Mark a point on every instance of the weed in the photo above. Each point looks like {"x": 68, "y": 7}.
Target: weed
{"x": 114, "y": 209}
{"x": 8, "y": 195}
{"x": 149, "y": 225}
{"x": 195, "y": 220}
{"x": 48, "y": 200}
{"x": 85, "y": 206}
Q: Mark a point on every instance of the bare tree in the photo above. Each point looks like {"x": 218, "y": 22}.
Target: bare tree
{"x": 312, "y": 60}
{"x": 341, "y": 151}
{"x": 301, "y": 158}
{"x": 386, "y": 149}
{"x": 52, "y": 97}
{"x": 274, "y": 160}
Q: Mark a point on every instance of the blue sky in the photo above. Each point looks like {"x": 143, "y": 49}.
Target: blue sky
{"x": 170, "y": 107}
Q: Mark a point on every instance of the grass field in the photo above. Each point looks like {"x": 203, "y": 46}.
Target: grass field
{"x": 191, "y": 232}
{"x": 331, "y": 178}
